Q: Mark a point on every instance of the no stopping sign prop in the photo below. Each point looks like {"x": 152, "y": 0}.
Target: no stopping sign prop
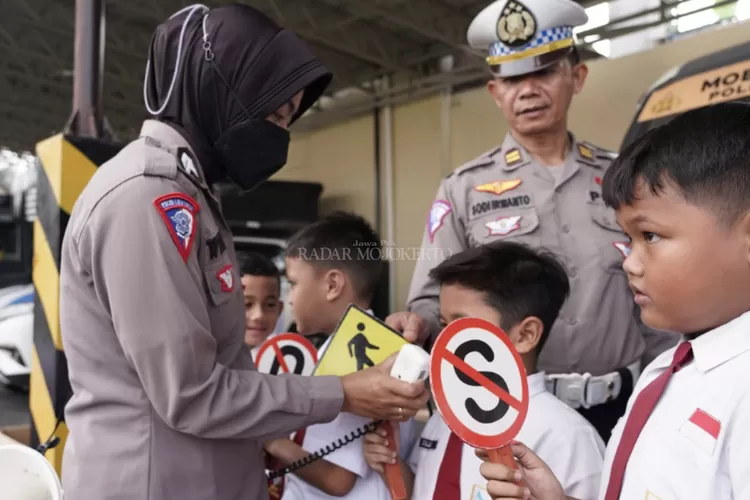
{"x": 479, "y": 383}
{"x": 287, "y": 353}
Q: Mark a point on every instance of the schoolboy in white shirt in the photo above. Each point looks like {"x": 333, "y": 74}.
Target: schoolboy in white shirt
{"x": 521, "y": 291}
{"x": 321, "y": 292}
{"x": 261, "y": 288}
{"x": 682, "y": 194}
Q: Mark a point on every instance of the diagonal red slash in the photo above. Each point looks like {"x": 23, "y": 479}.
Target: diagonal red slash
{"x": 280, "y": 357}
{"x": 482, "y": 380}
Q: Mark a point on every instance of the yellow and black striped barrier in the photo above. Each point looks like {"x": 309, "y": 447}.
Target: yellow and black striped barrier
{"x": 66, "y": 164}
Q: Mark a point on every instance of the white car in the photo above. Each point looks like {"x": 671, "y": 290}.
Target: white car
{"x": 16, "y": 335}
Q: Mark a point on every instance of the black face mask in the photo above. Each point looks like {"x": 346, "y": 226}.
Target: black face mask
{"x": 252, "y": 151}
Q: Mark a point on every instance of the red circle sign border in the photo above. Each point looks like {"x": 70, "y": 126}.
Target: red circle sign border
{"x": 295, "y": 337}
{"x": 462, "y": 431}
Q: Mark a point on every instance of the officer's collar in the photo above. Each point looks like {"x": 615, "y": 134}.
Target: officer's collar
{"x": 515, "y": 156}
{"x": 164, "y": 136}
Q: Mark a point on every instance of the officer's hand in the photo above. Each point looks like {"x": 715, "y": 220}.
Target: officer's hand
{"x": 540, "y": 481}
{"x": 411, "y": 325}
{"x": 373, "y": 393}
{"x": 376, "y": 450}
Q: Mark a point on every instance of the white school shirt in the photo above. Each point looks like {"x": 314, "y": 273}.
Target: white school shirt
{"x": 558, "y": 434}
{"x": 369, "y": 485}
{"x": 696, "y": 443}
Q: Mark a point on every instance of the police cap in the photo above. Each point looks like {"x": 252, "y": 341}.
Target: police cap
{"x": 524, "y": 36}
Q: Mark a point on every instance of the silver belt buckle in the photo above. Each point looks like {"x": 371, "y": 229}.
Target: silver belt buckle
{"x": 603, "y": 389}
{"x": 584, "y": 390}
{"x": 570, "y": 388}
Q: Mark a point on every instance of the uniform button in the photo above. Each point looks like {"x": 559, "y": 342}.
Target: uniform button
{"x": 572, "y": 271}
{"x": 566, "y": 228}
{"x": 572, "y": 321}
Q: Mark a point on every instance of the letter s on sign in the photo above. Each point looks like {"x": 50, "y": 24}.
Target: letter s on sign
{"x": 482, "y": 416}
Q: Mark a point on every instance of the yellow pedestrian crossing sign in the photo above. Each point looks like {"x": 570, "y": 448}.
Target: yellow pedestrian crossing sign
{"x": 359, "y": 341}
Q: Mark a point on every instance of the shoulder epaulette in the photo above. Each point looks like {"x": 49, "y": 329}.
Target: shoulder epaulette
{"x": 599, "y": 151}
{"x": 480, "y": 161}
{"x": 595, "y": 154}
{"x": 607, "y": 155}
{"x": 159, "y": 162}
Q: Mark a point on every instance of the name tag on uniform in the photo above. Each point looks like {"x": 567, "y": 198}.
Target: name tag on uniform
{"x": 427, "y": 444}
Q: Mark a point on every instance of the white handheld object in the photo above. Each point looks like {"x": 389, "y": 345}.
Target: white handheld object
{"x": 412, "y": 364}
{"x": 25, "y": 473}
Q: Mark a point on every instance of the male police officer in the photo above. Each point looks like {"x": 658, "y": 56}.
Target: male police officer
{"x": 542, "y": 187}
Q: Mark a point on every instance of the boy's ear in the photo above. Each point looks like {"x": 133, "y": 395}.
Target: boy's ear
{"x": 334, "y": 282}
{"x": 528, "y": 334}
{"x": 745, "y": 228}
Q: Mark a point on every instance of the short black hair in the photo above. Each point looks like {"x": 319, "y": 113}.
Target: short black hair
{"x": 704, "y": 154}
{"x": 345, "y": 241}
{"x": 518, "y": 282}
{"x": 257, "y": 264}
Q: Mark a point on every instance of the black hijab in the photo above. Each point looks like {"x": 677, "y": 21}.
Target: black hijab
{"x": 236, "y": 67}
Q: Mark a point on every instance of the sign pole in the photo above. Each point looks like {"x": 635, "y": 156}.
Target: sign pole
{"x": 504, "y": 456}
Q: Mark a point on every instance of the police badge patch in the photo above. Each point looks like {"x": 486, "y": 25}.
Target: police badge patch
{"x": 440, "y": 209}
{"x": 178, "y": 211}
{"x": 516, "y": 26}
{"x": 226, "y": 278}
{"x": 503, "y": 225}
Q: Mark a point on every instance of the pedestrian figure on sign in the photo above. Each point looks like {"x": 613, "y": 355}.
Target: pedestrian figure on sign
{"x": 360, "y": 344}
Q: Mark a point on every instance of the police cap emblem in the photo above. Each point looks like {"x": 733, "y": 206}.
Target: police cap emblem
{"x": 516, "y": 26}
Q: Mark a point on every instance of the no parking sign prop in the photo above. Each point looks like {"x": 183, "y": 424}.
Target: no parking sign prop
{"x": 479, "y": 386}
{"x": 287, "y": 353}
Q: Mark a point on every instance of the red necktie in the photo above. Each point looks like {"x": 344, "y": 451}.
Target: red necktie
{"x": 448, "y": 485}
{"x": 642, "y": 408}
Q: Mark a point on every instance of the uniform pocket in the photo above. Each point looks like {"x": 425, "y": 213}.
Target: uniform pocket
{"x": 221, "y": 280}
{"x": 613, "y": 243}
{"x": 225, "y": 305}
{"x": 521, "y": 226}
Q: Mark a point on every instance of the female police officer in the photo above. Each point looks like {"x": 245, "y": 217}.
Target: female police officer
{"x": 166, "y": 400}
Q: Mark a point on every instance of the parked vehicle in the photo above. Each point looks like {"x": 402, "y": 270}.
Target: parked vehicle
{"x": 16, "y": 335}
{"x": 17, "y": 211}
{"x": 719, "y": 77}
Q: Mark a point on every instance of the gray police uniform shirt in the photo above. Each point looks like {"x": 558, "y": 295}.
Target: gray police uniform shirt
{"x": 167, "y": 402}
{"x": 507, "y": 194}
